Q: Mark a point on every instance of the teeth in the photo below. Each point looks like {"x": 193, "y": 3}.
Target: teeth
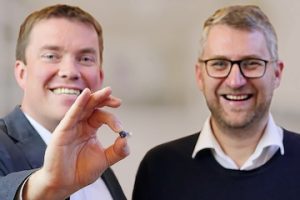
{"x": 237, "y": 98}
{"x": 66, "y": 91}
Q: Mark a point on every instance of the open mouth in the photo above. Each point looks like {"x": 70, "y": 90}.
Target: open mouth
{"x": 67, "y": 91}
{"x": 237, "y": 97}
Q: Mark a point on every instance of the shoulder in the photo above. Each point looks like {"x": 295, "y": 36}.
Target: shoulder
{"x": 291, "y": 136}
{"x": 4, "y": 137}
{"x": 14, "y": 118}
{"x": 182, "y": 147}
{"x": 164, "y": 160}
{"x": 16, "y": 125}
{"x": 291, "y": 143}
{"x": 2, "y": 126}
{"x": 12, "y": 134}
{"x": 10, "y": 127}
{"x": 291, "y": 139}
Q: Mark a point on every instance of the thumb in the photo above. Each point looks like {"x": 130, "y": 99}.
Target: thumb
{"x": 118, "y": 151}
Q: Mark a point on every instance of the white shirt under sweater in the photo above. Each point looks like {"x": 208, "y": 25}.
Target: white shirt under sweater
{"x": 270, "y": 142}
{"x": 95, "y": 191}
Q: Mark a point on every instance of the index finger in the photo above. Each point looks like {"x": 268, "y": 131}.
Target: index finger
{"x": 73, "y": 114}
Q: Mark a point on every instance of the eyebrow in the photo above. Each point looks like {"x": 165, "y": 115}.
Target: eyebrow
{"x": 250, "y": 56}
{"x": 88, "y": 50}
{"x": 57, "y": 48}
{"x": 51, "y": 47}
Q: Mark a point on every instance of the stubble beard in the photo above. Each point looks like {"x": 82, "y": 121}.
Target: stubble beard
{"x": 239, "y": 127}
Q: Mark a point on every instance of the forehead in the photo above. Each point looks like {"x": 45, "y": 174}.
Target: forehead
{"x": 64, "y": 32}
{"x": 223, "y": 40}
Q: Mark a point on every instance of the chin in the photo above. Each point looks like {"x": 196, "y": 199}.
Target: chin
{"x": 239, "y": 122}
{"x": 234, "y": 120}
{"x": 62, "y": 111}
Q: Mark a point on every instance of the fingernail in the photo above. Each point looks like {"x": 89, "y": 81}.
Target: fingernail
{"x": 126, "y": 150}
{"x": 118, "y": 126}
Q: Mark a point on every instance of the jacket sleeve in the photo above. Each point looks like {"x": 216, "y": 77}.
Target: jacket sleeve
{"x": 10, "y": 184}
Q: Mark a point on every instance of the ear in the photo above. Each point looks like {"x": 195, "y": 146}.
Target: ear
{"x": 20, "y": 73}
{"x": 278, "y": 73}
{"x": 199, "y": 77}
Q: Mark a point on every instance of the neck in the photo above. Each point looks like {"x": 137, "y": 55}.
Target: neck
{"x": 239, "y": 143}
{"x": 49, "y": 124}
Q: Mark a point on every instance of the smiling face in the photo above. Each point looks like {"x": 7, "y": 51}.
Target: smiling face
{"x": 62, "y": 58}
{"x": 237, "y": 102}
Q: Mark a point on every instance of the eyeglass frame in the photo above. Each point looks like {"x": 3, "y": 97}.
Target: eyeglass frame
{"x": 238, "y": 62}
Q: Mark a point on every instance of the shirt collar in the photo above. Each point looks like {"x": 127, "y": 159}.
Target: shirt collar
{"x": 42, "y": 131}
{"x": 273, "y": 136}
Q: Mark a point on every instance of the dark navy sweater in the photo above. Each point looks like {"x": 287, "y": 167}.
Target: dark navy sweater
{"x": 168, "y": 171}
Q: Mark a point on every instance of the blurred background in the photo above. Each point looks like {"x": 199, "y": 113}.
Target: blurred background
{"x": 150, "y": 49}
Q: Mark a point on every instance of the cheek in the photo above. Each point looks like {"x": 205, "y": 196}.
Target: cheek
{"x": 211, "y": 84}
{"x": 93, "y": 79}
{"x": 270, "y": 89}
{"x": 209, "y": 89}
{"x": 270, "y": 83}
{"x": 40, "y": 75}
{"x": 264, "y": 90}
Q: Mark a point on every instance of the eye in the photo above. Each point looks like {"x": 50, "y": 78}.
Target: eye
{"x": 253, "y": 63}
{"x": 218, "y": 64}
{"x": 87, "y": 60}
{"x": 50, "y": 57}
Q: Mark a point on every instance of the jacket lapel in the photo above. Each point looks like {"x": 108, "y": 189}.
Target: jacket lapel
{"x": 27, "y": 139}
{"x": 113, "y": 185}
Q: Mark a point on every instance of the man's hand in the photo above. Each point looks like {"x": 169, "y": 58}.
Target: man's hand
{"x": 75, "y": 157}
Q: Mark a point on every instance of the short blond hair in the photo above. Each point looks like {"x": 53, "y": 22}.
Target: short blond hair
{"x": 249, "y": 18}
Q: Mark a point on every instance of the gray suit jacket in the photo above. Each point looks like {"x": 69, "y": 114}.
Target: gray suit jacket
{"x": 22, "y": 152}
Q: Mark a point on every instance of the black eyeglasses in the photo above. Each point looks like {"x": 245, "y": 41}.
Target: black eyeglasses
{"x": 249, "y": 68}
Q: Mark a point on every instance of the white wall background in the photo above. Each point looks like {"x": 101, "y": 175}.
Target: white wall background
{"x": 150, "y": 50}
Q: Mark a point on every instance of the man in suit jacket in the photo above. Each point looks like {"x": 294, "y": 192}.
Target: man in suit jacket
{"x": 58, "y": 56}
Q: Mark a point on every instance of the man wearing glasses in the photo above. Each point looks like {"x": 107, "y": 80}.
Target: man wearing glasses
{"x": 240, "y": 152}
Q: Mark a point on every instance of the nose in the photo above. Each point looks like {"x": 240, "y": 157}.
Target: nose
{"x": 235, "y": 78}
{"x": 69, "y": 70}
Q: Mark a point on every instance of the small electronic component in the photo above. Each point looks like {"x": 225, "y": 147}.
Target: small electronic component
{"x": 124, "y": 134}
